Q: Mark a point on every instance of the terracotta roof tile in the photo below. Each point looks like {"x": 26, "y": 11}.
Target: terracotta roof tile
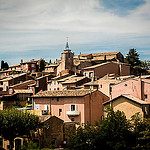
{"x": 95, "y": 66}
{"x": 100, "y": 54}
{"x": 64, "y": 93}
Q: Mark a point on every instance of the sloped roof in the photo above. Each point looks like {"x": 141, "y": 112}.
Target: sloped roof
{"x": 98, "y": 65}
{"x": 51, "y": 65}
{"x": 64, "y": 79}
{"x": 23, "y": 91}
{"x": 100, "y": 54}
{"x": 73, "y": 80}
{"x": 18, "y": 65}
{"x": 10, "y": 77}
{"x": 129, "y": 97}
{"x": 63, "y": 93}
{"x": 60, "y": 77}
{"x": 95, "y": 66}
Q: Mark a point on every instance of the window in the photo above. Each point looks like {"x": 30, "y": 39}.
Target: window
{"x": 72, "y": 119}
{"x": 145, "y": 96}
{"x": 36, "y": 107}
{"x": 54, "y": 89}
{"x": 110, "y": 89}
{"x": 57, "y": 99}
{"x": 21, "y": 67}
{"x": 46, "y": 107}
{"x": 54, "y": 82}
{"x": 32, "y": 65}
{"x": 60, "y": 111}
{"x": 125, "y": 85}
{"x": 101, "y": 85}
{"x": 4, "y": 87}
{"x": 91, "y": 87}
{"x": 91, "y": 74}
{"x": 73, "y": 108}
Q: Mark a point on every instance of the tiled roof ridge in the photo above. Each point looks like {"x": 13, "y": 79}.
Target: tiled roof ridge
{"x": 99, "y": 53}
{"x": 64, "y": 93}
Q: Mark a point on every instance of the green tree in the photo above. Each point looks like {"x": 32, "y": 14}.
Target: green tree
{"x": 111, "y": 133}
{"x": 4, "y": 65}
{"x": 141, "y": 132}
{"x": 42, "y": 65}
{"x": 145, "y": 64}
{"x": 133, "y": 58}
{"x": 115, "y": 131}
{"x": 16, "y": 123}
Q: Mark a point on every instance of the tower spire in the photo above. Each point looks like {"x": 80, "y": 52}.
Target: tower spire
{"x": 67, "y": 44}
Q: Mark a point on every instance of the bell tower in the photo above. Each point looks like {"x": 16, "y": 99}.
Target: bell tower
{"x": 67, "y": 58}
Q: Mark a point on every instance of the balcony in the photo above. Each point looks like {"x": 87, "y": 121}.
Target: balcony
{"x": 73, "y": 113}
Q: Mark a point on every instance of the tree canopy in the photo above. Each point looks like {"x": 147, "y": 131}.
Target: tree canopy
{"x": 114, "y": 132}
{"x": 15, "y": 123}
{"x": 42, "y": 65}
{"x": 4, "y": 65}
{"x": 133, "y": 58}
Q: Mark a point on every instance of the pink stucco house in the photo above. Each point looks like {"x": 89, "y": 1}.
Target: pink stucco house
{"x": 83, "y": 106}
{"x": 137, "y": 87}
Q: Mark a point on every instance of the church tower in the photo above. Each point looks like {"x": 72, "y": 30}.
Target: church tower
{"x": 67, "y": 58}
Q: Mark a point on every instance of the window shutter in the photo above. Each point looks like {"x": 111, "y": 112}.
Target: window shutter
{"x": 69, "y": 107}
{"x": 46, "y": 107}
{"x": 75, "y": 107}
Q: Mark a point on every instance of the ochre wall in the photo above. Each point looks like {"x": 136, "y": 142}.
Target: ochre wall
{"x": 127, "y": 106}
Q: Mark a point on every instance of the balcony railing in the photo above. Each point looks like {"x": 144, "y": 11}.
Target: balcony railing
{"x": 73, "y": 113}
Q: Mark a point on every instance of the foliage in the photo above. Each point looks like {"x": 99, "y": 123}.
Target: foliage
{"x": 133, "y": 58}
{"x": 114, "y": 132}
{"x": 31, "y": 146}
{"x": 145, "y": 64}
{"x": 16, "y": 123}
{"x": 110, "y": 133}
{"x": 42, "y": 65}
{"x": 141, "y": 132}
{"x": 4, "y": 65}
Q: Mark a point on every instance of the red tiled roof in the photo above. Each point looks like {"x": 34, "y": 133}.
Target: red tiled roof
{"x": 64, "y": 93}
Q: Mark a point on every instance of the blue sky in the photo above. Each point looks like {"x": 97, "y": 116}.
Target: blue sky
{"x": 38, "y": 28}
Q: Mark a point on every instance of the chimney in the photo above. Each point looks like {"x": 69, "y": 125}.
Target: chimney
{"x": 21, "y": 60}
